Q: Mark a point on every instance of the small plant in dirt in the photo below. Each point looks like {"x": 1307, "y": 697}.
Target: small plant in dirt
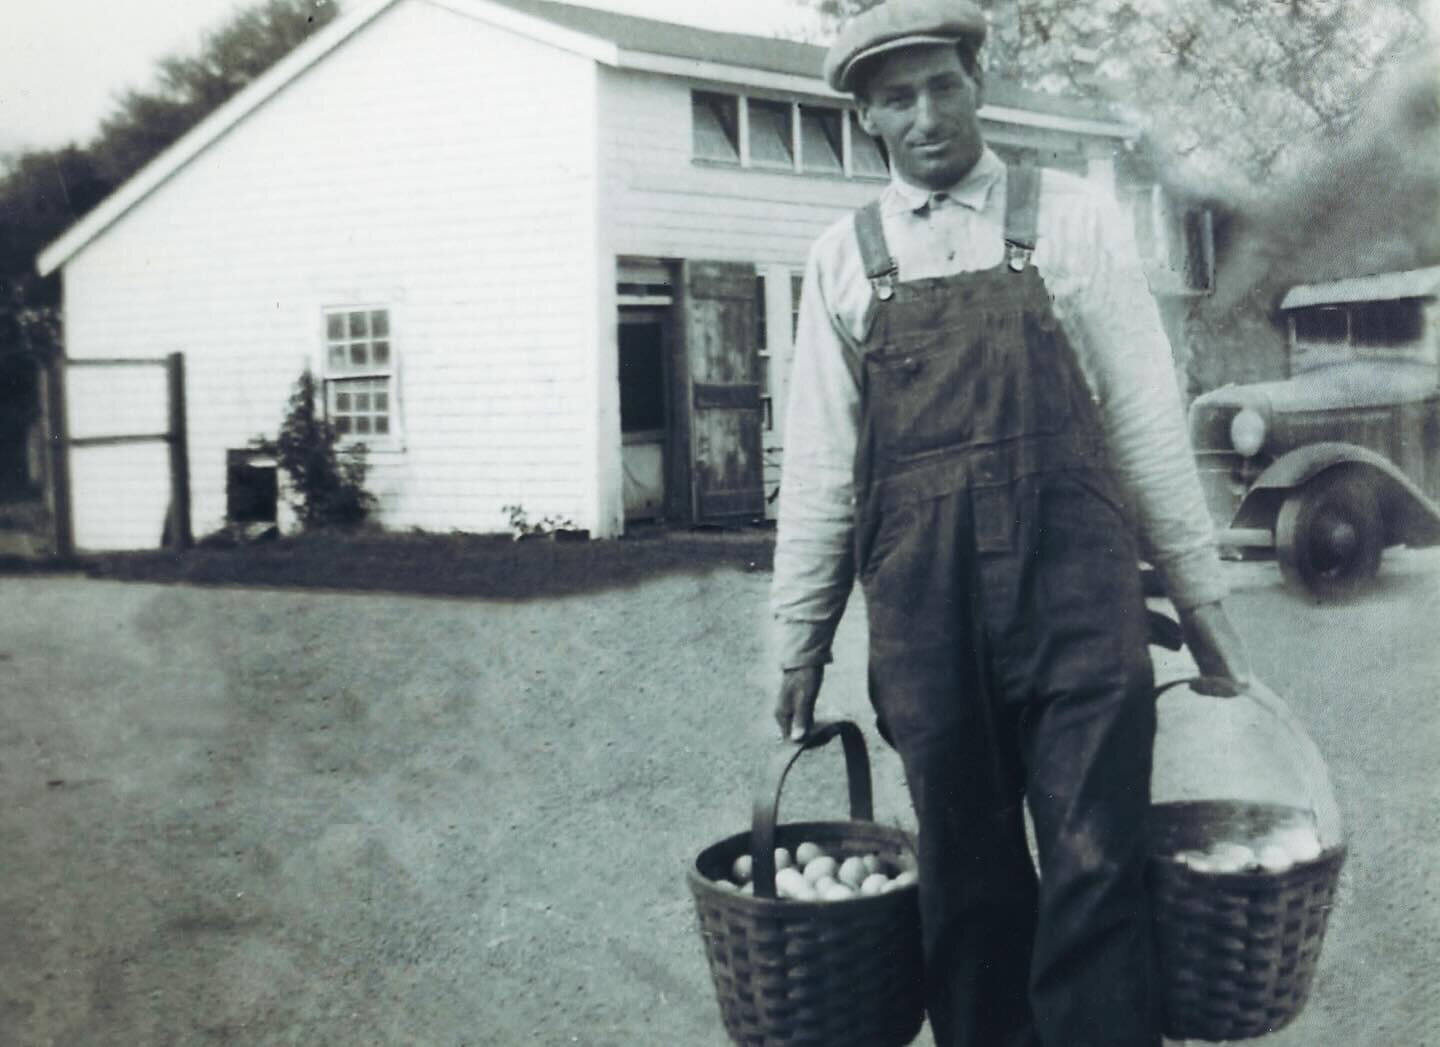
{"x": 521, "y": 526}
{"x": 327, "y": 478}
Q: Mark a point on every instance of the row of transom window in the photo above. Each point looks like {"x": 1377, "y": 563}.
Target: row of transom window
{"x": 783, "y": 136}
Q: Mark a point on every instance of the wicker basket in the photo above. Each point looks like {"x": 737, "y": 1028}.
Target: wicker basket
{"x": 1237, "y": 951}
{"x": 822, "y": 973}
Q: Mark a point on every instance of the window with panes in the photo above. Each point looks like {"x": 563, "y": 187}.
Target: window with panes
{"x": 867, "y": 155}
{"x": 715, "y": 122}
{"x": 822, "y": 140}
{"x": 771, "y": 141}
{"x": 768, "y": 135}
{"x": 359, "y": 374}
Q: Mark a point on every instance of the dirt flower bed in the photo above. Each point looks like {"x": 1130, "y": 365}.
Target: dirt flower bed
{"x": 487, "y": 566}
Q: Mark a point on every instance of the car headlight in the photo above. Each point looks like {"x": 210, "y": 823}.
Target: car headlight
{"x": 1247, "y": 432}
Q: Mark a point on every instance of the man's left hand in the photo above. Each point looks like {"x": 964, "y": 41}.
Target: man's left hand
{"x": 1215, "y": 645}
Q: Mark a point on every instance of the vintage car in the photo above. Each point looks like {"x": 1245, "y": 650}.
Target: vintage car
{"x": 1333, "y": 464}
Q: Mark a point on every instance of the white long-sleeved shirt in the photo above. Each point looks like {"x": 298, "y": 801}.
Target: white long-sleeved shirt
{"x": 1092, "y": 270}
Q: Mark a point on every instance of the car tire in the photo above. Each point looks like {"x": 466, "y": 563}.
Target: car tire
{"x": 1329, "y": 536}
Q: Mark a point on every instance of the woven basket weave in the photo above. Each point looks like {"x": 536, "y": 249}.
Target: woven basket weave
{"x": 829, "y": 974}
{"x": 1237, "y": 951}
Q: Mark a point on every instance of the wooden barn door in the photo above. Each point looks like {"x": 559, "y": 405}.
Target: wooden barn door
{"x": 727, "y": 461}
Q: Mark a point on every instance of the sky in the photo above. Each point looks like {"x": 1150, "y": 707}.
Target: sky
{"x": 63, "y": 63}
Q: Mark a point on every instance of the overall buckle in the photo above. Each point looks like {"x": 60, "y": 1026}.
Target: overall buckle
{"x": 1017, "y": 256}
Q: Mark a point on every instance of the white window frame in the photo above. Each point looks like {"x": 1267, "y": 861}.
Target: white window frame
{"x": 333, "y": 375}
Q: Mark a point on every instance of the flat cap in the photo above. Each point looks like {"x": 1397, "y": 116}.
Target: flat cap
{"x": 900, "y": 23}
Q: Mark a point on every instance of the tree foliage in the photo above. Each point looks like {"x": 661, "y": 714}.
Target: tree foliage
{"x": 42, "y": 192}
{"x": 1229, "y": 93}
{"x": 190, "y": 87}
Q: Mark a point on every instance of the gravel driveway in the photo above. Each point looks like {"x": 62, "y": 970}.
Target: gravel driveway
{"x": 259, "y": 817}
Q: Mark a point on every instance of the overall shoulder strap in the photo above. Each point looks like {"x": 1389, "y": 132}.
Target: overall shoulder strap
{"x": 1022, "y": 213}
{"x": 880, "y": 266}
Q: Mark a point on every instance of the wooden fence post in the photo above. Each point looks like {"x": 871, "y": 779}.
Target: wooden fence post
{"x": 180, "y": 536}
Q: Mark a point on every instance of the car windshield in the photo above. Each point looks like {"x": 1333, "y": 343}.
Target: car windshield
{"x": 1323, "y": 335}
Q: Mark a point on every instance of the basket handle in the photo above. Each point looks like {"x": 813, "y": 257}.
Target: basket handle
{"x": 1209, "y": 686}
{"x": 767, "y": 797}
{"x": 1311, "y": 763}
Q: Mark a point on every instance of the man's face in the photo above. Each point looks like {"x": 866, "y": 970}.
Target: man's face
{"x": 922, "y": 104}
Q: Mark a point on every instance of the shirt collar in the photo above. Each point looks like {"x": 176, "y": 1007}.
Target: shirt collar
{"x": 971, "y": 191}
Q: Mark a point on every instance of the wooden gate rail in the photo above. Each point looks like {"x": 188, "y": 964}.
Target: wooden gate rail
{"x": 177, "y": 530}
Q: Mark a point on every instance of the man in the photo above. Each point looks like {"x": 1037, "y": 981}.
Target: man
{"x": 984, "y": 414}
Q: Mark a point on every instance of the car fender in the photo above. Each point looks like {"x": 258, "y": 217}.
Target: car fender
{"x": 1410, "y": 516}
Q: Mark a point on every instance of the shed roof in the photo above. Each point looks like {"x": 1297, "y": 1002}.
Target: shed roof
{"x": 1381, "y": 287}
{"x": 651, "y": 36}
{"x": 621, "y": 41}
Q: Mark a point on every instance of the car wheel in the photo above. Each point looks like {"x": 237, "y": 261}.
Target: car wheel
{"x": 1329, "y": 537}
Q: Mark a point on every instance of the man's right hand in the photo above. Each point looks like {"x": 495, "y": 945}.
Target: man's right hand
{"x": 795, "y": 709}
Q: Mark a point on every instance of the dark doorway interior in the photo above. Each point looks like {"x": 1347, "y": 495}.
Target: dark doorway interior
{"x": 644, "y": 344}
{"x": 642, "y": 376}
{"x": 20, "y": 478}
{"x": 251, "y": 488}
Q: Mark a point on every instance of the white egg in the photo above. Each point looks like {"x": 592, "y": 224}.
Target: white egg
{"x": 874, "y": 883}
{"x": 1300, "y": 842}
{"x": 1274, "y": 858}
{"x": 852, "y": 872}
{"x": 790, "y": 884}
{"x": 821, "y": 867}
{"x": 1197, "y": 861}
{"x": 1232, "y": 857}
{"x": 807, "y": 852}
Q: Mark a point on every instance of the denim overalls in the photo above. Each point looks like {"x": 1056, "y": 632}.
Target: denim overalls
{"x": 1008, "y": 657}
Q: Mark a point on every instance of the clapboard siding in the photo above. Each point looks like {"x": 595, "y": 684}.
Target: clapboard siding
{"x": 663, "y": 204}
{"x": 411, "y": 169}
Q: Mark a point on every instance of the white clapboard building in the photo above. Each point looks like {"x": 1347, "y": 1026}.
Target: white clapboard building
{"x": 539, "y": 255}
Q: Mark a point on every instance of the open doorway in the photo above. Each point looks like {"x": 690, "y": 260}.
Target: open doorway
{"x": 21, "y": 441}
{"x": 644, "y": 343}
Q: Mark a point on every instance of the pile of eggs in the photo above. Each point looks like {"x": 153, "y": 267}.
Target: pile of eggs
{"x": 1275, "y": 852}
{"x": 812, "y": 875}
